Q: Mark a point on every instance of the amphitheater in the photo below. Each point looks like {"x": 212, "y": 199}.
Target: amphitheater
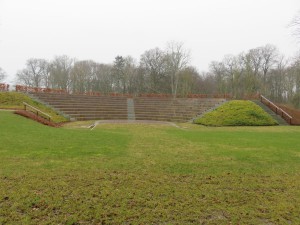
{"x": 88, "y": 107}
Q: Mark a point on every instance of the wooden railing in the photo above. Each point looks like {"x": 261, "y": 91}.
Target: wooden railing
{"x": 36, "y": 111}
{"x": 276, "y": 109}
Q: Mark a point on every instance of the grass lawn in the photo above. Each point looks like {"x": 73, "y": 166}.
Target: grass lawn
{"x": 148, "y": 174}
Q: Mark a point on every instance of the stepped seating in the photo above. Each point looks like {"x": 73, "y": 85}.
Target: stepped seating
{"x": 82, "y": 107}
{"x": 169, "y": 109}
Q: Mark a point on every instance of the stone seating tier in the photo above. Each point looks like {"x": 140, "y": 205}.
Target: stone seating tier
{"x": 83, "y": 107}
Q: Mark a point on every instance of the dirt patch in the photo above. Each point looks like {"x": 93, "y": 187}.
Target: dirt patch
{"x": 295, "y": 113}
{"x": 34, "y": 117}
{"x": 155, "y": 122}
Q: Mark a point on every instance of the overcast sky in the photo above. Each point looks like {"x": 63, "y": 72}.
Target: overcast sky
{"x": 102, "y": 29}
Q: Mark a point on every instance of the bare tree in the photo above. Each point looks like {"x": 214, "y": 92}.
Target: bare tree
{"x": 177, "y": 59}
{"x": 207, "y": 84}
{"x": 60, "y": 72}
{"x": 278, "y": 80}
{"x": 81, "y": 76}
{"x": 130, "y": 73}
{"x": 153, "y": 63}
{"x": 2, "y": 74}
{"x": 124, "y": 71}
{"x": 246, "y": 73}
{"x": 256, "y": 57}
{"x": 46, "y": 78}
{"x": 269, "y": 57}
{"x": 217, "y": 69}
{"x": 34, "y": 73}
{"x": 229, "y": 64}
{"x": 253, "y": 63}
{"x": 295, "y": 25}
{"x": 234, "y": 68}
{"x": 189, "y": 81}
{"x": 295, "y": 73}
{"x": 24, "y": 77}
{"x": 102, "y": 80}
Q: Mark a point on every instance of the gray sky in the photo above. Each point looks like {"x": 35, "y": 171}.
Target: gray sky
{"x": 102, "y": 29}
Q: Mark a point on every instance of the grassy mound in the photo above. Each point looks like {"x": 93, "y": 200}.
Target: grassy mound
{"x": 237, "y": 113}
{"x": 14, "y": 100}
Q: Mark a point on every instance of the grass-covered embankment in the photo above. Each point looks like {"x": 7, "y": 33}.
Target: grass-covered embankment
{"x": 237, "y": 113}
{"x": 14, "y": 100}
{"x": 148, "y": 174}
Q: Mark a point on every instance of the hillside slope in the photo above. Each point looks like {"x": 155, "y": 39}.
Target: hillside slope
{"x": 14, "y": 100}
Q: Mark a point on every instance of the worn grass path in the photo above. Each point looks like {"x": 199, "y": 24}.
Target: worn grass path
{"x": 147, "y": 174}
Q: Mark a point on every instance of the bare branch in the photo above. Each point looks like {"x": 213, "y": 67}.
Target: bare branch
{"x": 295, "y": 25}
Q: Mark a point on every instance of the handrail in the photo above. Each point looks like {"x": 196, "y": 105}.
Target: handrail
{"x": 37, "y": 110}
{"x": 283, "y": 113}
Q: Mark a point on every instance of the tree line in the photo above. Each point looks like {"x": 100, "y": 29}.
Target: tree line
{"x": 262, "y": 70}
{"x": 158, "y": 71}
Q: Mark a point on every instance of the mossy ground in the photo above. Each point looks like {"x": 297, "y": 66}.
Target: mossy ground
{"x": 14, "y": 100}
{"x": 237, "y": 113}
{"x": 148, "y": 174}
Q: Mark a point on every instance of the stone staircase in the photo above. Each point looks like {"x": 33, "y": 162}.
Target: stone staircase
{"x": 130, "y": 109}
{"x": 84, "y": 107}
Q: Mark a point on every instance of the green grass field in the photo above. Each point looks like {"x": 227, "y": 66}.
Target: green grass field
{"x": 148, "y": 174}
